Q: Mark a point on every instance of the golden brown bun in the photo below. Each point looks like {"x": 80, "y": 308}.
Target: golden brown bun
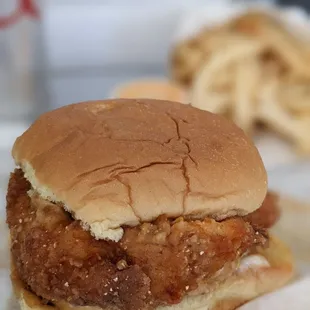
{"x": 151, "y": 88}
{"x": 122, "y": 162}
{"x": 228, "y": 295}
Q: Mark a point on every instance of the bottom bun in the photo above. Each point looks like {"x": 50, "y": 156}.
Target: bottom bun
{"x": 243, "y": 286}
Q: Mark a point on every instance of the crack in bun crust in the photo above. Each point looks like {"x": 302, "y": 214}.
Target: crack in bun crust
{"x": 121, "y": 162}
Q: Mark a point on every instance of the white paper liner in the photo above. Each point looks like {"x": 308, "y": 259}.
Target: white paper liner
{"x": 295, "y": 296}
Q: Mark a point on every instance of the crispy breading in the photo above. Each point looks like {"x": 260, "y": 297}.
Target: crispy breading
{"x": 267, "y": 215}
{"x": 154, "y": 263}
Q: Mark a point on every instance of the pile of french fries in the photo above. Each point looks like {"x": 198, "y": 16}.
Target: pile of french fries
{"x": 252, "y": 69}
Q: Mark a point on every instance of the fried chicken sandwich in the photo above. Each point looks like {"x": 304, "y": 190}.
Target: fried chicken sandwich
{"x": 140, "y": 205}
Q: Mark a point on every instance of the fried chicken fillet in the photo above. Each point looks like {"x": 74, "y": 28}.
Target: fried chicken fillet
{"x": 60, "y": 258}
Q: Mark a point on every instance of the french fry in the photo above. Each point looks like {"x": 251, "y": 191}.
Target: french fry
{"x": 204, "y": 79}
{"x": 303, "y": 141}
{"x": 273, "y": 33}
{"x": 217, "y": 103}
{"x": 271, "y": 112}
{"x": 251, "y": 69}
{"x": 246, "y": 83}
{"x": 296, "y": 98}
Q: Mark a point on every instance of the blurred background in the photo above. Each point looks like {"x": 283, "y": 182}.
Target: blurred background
{"x": 247, "y": 60}
{"x": 57, "y": 52}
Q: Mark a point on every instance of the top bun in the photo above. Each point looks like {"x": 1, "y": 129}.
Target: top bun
{"x": 122, "y": 162}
